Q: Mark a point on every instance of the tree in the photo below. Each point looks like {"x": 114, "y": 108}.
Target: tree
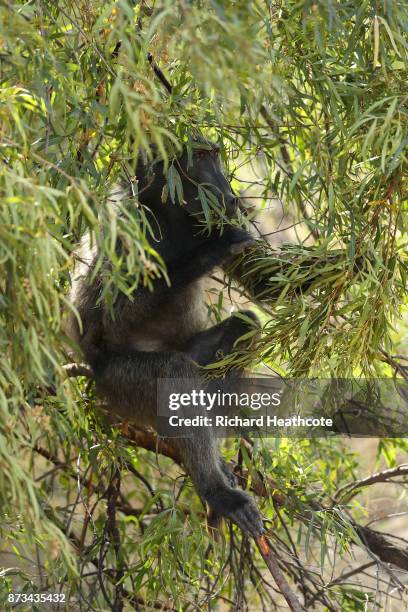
{"x": 312, "y": 97}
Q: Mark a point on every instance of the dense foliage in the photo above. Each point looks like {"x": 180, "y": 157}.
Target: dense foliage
{"x": 308, "y": 101}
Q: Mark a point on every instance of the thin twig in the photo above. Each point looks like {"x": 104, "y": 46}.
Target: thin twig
{"x": 384, "y": 476}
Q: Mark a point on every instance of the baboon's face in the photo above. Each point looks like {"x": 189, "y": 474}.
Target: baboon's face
{"x": 202, "y": 178}
{"x": 203, "y": 170}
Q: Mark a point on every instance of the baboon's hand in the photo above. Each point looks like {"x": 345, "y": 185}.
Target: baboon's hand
{"x": 239, "y": 247}
{"x": 239, "y": 507}
{"x": 238, "y": 240}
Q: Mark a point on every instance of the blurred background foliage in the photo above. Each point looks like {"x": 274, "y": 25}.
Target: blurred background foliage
{"x": 308, "y": 101}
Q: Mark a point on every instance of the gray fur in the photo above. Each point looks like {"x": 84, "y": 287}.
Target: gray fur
{"x": 162, "y": 334}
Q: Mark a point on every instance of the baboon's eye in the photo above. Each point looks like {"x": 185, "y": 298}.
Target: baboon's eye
{"x": 203, "y": 153}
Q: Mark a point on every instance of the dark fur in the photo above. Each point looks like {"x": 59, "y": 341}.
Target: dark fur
{"x": 161, "y": 334}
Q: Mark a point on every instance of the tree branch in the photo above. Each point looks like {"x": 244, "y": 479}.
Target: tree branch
{"x": 384, "y": 476}
{"x": 265, "y": 549}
